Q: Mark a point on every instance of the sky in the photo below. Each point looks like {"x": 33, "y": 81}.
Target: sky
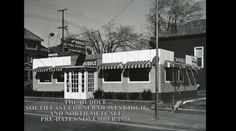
{"x": 42, "y": 17}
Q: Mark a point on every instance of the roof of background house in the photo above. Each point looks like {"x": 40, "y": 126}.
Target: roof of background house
{"x": 193, "y": 27}
{"x": 55, "y": 49}
{"x": 189, "y": 28}
{"x": 31, "y": 36}
{"x": 43, "y": 48}
{"x": 95, "y": 56}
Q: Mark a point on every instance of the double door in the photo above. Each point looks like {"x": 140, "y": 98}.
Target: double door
{"x": 75, "y": 85}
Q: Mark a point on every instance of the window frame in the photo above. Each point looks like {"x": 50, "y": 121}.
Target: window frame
{"x": 171, "y": 75}
{"x": 180, "y": 71}
{"x": 36, "y": 47}
{"x": 195, "y": 54}
{"x": 89, "y": 73}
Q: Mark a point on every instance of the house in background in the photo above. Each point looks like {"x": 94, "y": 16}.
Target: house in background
{"x": 191, "y": 40}
{"x": 32, "y": 49}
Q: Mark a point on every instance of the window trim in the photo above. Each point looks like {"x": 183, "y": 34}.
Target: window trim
{"x": 44, "y": 82}
{"x": 195, "y": 52}
{"x": 60, "y": 82}
{"x": 165, "y": 76}
{"x": 89, "y": 83}
{"x": 30, "y": 47}
{"x": 178, "y": 76}
{"x": 149, "y": 76}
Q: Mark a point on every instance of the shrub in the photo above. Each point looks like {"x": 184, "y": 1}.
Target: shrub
{"x": 109, "y": 95}
{"x": 98, "y": 94}
{"x": 135, "y": 96}
{"x": 146, "y": 94}
{"x": 122, "y": 96}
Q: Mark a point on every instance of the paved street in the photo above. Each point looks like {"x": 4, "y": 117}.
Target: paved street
{"x": 32, "y": 123}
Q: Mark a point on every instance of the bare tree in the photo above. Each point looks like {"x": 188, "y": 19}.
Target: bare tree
{"x": 114, "y": 38}
{"x": 172, "y": 13}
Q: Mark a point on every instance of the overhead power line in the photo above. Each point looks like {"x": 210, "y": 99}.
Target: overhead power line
{"x": 88, "y": 19}
{"x": 121, "y": 11}
{"x": 41, "y": 17}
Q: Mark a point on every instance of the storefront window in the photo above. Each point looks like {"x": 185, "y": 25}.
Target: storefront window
{"x": 139, "y": 74}
{"x": 168, "y": 74}
{"x": 112, "y": 75}
{"x": 59, "y": 76}
{"x": 45, "y": 77}
{"x": 191, "y": 77}
{"x": 180, "y": 76}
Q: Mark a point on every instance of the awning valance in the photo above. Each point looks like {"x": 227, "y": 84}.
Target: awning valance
{"x": 107, "y": 66}
{"x": 180, "y": 65}
{"x": 192, "y": 67}
{"x": 138, "y": 64}
{"x": 174, "y": 64}
{"x": 43, "y": 69}
{"x": 59, "y": 68}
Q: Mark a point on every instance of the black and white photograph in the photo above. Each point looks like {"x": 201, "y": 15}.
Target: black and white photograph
{"x": 117, "y": 65}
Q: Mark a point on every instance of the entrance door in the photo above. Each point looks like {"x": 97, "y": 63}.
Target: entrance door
{"x": 75, "y": 85}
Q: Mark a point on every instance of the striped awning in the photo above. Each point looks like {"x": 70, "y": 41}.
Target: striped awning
{"x": 138, "y": 64}
{"x": 43, "y": 69}
{"x": 174, "y": 64}
{"x": 192, "y": 67}
{"x": 107, "y": 66}
{"x": 59, "y": 68}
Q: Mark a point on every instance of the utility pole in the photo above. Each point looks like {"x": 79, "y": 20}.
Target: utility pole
{"x": 49, "y": 36}
{"x": 101, "y": 42}
{"x": 62, "y": 30}
{"x": 157, "y": 66}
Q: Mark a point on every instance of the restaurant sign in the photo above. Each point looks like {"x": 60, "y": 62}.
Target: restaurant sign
{"x": 90, "y": 63}
{"x": 180, "y": 60}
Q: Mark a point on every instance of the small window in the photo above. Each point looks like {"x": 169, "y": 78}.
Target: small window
{"x": 45, "y": 77}
{"x": 168, "y": 74}
{"x": 31, "y": 46}
{"x": 139, "y": 74}
{"x": 199, "y": 53}
{"x": 112, "y": 75}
